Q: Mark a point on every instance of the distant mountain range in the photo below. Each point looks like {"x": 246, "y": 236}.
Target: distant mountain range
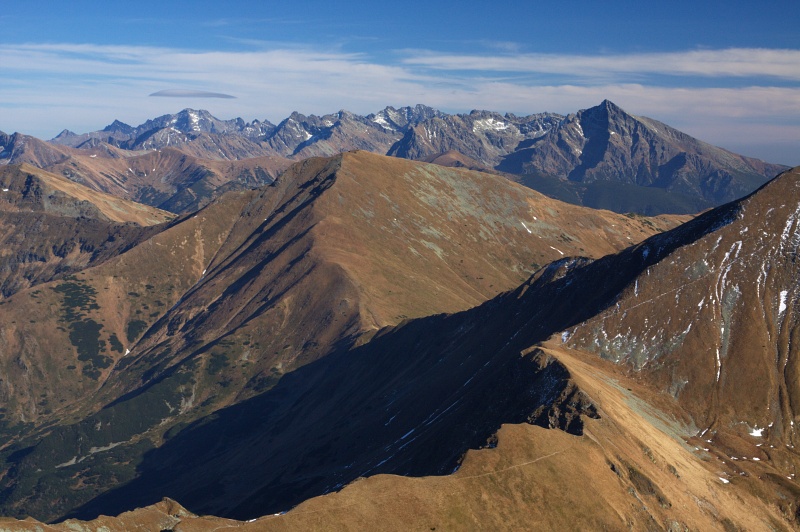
{"x": 601, "y": 157}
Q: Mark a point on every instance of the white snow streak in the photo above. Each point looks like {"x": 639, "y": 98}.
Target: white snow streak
{"x": 489, "y": 123}
{"x": 381, "y": 122}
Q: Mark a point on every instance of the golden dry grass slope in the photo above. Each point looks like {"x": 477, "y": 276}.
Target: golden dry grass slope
{"x": 28, "y": 188}
{"x": 631, "y": 469}
{"x": 169, "y": 178}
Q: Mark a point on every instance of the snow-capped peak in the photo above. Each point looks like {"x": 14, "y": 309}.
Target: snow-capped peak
{"x": 488, "y": 123}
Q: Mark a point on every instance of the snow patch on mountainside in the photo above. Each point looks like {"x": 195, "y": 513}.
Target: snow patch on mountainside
{"x": 488, "y": 124}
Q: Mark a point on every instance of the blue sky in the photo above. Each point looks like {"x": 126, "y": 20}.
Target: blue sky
{"x": 725, "y": 72}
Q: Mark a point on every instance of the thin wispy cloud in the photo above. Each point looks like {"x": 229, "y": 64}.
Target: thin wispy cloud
{"x": 734, "y": 62}
{"x": 235, "y": 22}
{"x": 181, "y": 93}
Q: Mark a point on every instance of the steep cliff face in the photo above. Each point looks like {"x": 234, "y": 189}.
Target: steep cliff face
{"x": 481, "y": 135}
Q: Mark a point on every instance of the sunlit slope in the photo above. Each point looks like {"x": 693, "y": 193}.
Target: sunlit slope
{"x": 714, "y": 323}
{"x": 26, "y": 188}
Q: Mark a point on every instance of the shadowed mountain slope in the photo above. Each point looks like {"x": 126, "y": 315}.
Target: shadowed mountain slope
{"x": 714, "y": 323}
{"x": 50, "y": 226}
{"x": 418, "y": 396}
{"x": 684, "y": 420}
{"x": 604, "y": 151}
{"x": 216, "y": 308}
{"x": 629, "y": 469}
{"x": 168, "y": 179}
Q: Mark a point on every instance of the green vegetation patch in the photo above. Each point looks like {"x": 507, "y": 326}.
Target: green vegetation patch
{"x": 216, "y": 363}
{"x": 261, "y": 383}
{"x": 116, "y": 345}
{"x": 135, "y": 328}
{"x": 85, "y": 336}
{"x": 79, "y": 298}
{"x": 84, "y": 333}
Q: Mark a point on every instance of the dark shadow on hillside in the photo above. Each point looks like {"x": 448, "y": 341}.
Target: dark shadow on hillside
{"x": 410, "y": 402}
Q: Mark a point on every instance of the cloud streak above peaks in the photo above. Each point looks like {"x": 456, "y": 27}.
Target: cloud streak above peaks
{"x": 184, "y": 93}
{"x": 732, "y": 62}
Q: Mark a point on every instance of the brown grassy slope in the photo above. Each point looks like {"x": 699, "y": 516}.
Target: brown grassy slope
{"x": 52, "y": 227}
{"x": 642, "y": 465}
{"x": 716, "y": 322}
{"x": 472, "y": 234}
{"x": 630, "y": 469}
{"x": 350, "y": 244}
{"x": 170, "y": 178}
{"x": 27, "y": 188}
{"x": 47, "y": 372}
{"x": 216, "y": 308}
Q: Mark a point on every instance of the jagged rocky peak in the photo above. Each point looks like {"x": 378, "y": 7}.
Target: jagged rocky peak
{"x": 400, "y": 119}
{"x": 294, "y": 122}
{"x": 68, "y": 138}
{"x": 190, "y": 120}
{"x": 602, "y": 146}
{"x": 491, "y": 121}
{"x": 65, "y": 133}
{"x": 344, "y": 113}
{"x": 609, "y": 117}
{"x": 485, "y": 136}
{"x": 118, "y": 127}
